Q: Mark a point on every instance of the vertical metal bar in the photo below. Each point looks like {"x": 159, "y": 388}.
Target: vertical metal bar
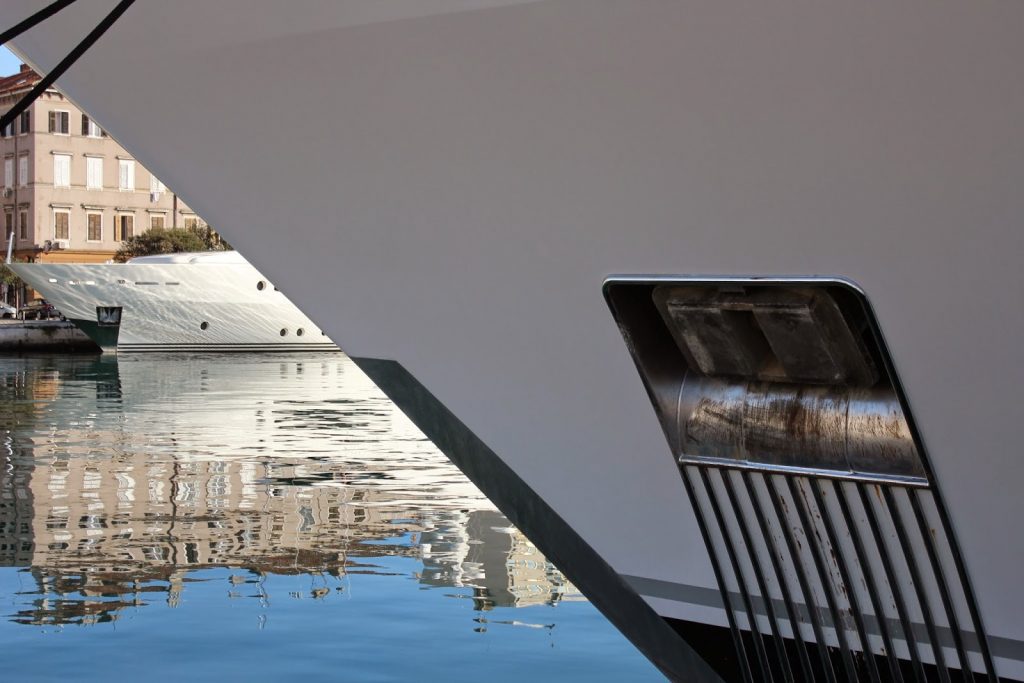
{"x": 802, "y": 508}
{"x": 787, "y": 598}
{"x": 954, "y": 547}
{"x": 762, "y": 585}
{"x": 915, "y": 575}
{"x": 844, "y": 574}
{"x": 965, "y": 583}
{"x": 805, "y": 588}
{"x": 890, "y": 575}
{"x": 871, "y": 584}
{"x": 734, "y": 629}
{"x": 755, "y": 632}
{"x": 940, "y": 580}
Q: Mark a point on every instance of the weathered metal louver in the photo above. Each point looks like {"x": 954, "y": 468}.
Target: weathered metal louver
{"x": 833, "y": 553}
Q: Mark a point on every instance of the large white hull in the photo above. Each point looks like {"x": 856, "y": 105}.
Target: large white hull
{"x": 179, "y": 306}
{"x": 461, "y": 176}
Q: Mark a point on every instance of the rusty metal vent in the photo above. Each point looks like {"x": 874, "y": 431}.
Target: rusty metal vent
{"x": 832, "y": 549}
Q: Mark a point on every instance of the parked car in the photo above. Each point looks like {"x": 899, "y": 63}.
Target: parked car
{"x": 38, "y": 309}
{"x": 7, "y": 310}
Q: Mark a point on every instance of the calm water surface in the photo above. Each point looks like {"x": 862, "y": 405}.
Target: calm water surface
{"x": 261, "y": 518}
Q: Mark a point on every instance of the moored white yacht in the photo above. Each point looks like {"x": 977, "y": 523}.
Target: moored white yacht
{"x": 212, "y": 301}
{"x": 805, "y": 216}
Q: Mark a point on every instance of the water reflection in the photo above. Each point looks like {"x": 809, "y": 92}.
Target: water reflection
{"x": 122, "y": 480}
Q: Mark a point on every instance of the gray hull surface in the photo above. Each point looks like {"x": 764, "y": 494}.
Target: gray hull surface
{"x": 459, "y": 177}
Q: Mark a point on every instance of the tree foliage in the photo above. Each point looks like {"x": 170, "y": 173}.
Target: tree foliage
{"x": 212, "y": 240}
{"x": 169, "y": 241}
{"x": 7, "y": 275}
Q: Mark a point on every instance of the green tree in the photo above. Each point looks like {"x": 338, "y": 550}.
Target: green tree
{"x": 211, "y": 238}
{"x": 160, "y": 241}
{"x": 7, "y": 276}
{"x": 9, "y": 283}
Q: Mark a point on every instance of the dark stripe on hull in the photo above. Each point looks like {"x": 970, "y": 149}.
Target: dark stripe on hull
{"x": 674, "y": 655}
{"x": 1006, "y": 648}
{"x": 716, "y": 644}
{"x": 275, "y": 348}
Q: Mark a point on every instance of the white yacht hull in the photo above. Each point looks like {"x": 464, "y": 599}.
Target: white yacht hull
{"x": 460, "y": 177}
{"x": 178, "y": 306}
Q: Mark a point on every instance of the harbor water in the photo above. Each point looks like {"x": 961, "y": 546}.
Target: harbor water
{"x": 261, "y": 518}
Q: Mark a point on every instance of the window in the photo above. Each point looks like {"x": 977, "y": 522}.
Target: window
{"x": 61, "y": 219}
{"x": 62, "y": 170}
{"x": 8, "y": 224}
{"x": 9, "y": 172}
{"x": 191, "y": 223}
{"x": 126, "y": 174}
{"x": 59, "y": 122}
{"x": 23, "y": 170}
{"x": 94, "y": 173}
{"x": 26, "y": 121}
{"x": 8, "y": 130}
{"x": 155, "y": 186}
{"x": 124, "y": 226}
{"x": 157, "y": 221}
{"x": 90, "y": 128}
{"x": 23, "y": 225}
{"x": 95, "y": 221}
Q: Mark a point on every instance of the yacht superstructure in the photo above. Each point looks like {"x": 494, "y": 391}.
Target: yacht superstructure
{"x": 478, "y": 175}
{"x": 213, "y": 301}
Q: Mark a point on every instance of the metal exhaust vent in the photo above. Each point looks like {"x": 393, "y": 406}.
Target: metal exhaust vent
{"x": 833, "y": 552}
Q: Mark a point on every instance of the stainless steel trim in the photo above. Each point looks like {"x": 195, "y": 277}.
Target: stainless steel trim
{"x": 726, "y": 423}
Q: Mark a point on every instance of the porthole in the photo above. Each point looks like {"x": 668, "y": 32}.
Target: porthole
{"x": 284, "y": 331}
{"x": 261, "y": 285}
{"x": 299, "y": 332}
{"x": 203, "y": 325}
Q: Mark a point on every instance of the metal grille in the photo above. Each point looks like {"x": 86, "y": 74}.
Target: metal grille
{"x": 836, "y": 579}
{"x": 823, "y": 521}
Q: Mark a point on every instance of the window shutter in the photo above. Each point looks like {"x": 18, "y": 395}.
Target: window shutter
{"x": 60, "y": 225}
{"x": 126, "y": 174}
{"x": 94, "y": 169}
{"x": 61, "y": 170}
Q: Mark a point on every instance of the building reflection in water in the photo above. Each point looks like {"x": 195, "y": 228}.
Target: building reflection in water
{"x": 119, "y": 480}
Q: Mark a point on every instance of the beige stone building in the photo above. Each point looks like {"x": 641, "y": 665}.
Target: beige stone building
{"x": 70, "y": 192}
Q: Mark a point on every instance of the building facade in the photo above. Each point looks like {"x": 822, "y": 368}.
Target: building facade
{"x": 70, "y": 192}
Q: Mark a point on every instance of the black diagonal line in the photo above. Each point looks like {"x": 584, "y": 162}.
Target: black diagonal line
{"x": 65, "y": 63}
{"x": 41, "y": 15}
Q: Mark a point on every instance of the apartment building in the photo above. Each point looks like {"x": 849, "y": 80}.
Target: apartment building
{"x": 70, "y": 192}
